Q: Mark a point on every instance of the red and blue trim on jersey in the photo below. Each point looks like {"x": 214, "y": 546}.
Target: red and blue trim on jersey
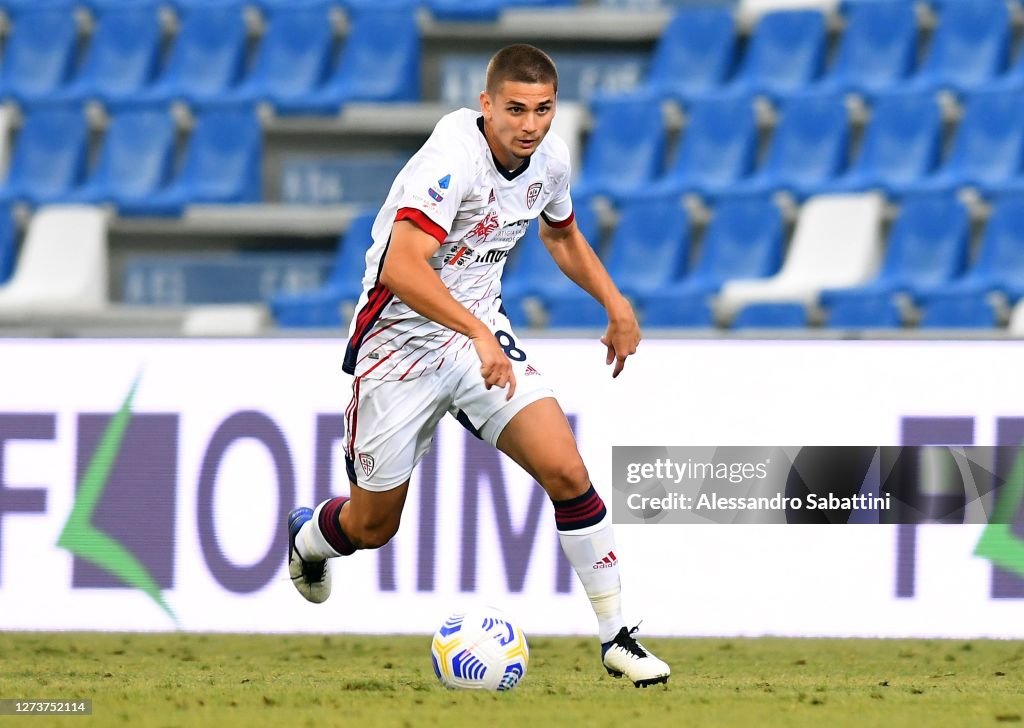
{"x": 559, "y": 223}
{"x": 380, "y": 295}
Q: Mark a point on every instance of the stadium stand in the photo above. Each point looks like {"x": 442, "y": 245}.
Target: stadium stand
{"x": 771, "y": 316}
{"x": 960, "y": 311}
{"x": 297, "y": 115}
{"x": 836, "y": 243}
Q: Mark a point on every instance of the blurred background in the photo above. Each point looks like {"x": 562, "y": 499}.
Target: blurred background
{"x": 812, "y": 168}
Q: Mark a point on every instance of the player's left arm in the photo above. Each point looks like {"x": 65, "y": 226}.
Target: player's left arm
{"x": 578, "y": 261}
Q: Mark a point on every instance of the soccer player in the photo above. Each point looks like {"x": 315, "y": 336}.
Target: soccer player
{"x": 430, "y": 336}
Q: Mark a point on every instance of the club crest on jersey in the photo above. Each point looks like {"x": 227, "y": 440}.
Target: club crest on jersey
{"x": 532, "y": 193}
{"x": 435, "y": 194}
{"x": 366, "y": 463}
{"x": 458, "y": 255}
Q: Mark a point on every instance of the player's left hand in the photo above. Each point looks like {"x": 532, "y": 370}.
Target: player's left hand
{"x": 622, "y": 336}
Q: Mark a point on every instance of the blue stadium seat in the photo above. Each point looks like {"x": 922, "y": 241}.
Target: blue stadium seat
{"x": 136, "y": 157}
{"x": 532, "y": 272}
{"x": 878, "y": 47}
{"x": 322, "y": 307}
{"x": 380, "y": 62}
{"x": 208, "y": 55}
{"x": 123, "y": 54}
{"x": 928, "y": 247}
{"x": 808, "y": 149}
{"x": 743, "y": 240}
{"x": 694, "y": 54}
{"x": 971, "y": 45}
{"x": 293, "y": 57}
{"x": 964, "y": 311}
{"x": 625, "y": 149}
{"x": 786, "y": 53}
{"x": 901, "y": 145}
{"x": 869, "y": 311}
{"x": 40, "y": 53}
{"x": 718, "y": 147}
{"x": 988, "y": 147}
{"x": 648, "y": 251}
{"x": 783, "y": 315}
{"x": 49, "y": 158}
{"x": 481, "y": 11}
{"x": 1000, "y": 263}
{"x": 222, "y": 165}
{"x": 8, "y": 243}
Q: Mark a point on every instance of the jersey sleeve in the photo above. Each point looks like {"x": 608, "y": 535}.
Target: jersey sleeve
{"x": 433, "y": 191}
{"x": 558, "y": 212}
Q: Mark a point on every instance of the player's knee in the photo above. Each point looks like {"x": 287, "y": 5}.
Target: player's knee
{"x": 566, "y": 480}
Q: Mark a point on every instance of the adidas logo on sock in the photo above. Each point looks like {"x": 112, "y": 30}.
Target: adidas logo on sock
{"x": 607, "y": 561}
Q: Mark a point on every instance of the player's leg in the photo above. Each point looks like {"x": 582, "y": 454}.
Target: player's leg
{"x": 389, "y": 426}
{"x": 539, "y": 439}
{"x": 533, "y": 431}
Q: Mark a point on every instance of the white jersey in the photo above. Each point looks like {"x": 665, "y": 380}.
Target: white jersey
{"x": 454, "y": 189}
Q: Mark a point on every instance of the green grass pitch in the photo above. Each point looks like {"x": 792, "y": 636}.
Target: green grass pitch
{"x": 355, "y": 680}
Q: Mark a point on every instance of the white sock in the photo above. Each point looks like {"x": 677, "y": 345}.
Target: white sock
{"x": 310, "y": 542}
{"x": 591, "y": 551}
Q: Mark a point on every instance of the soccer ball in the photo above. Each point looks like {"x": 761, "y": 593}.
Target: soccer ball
{"x": 479, "y": 650}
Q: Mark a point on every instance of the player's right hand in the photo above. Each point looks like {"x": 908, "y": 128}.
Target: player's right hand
{"x": 495, "y": 367}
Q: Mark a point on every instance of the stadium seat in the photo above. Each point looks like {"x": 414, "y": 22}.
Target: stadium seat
{"x": 988, "y": 147}
{"x": 531, "y": 272}
{"x": 40, "y": 52}
{"x": 928, "y": 247}
{"x": 222, "y": 165}
{"x": 970, "y": 46}
{"x": 293, "y": 57}
{"x": 718, "y": 147}
{"x": 63, "y": 265}
{"x": 786, "y": 53}
{"x": 122, "y": 57}
{"x": 135, "y": 160}
{"x": 8, "y": 242}
{"x": 208, "y": 54}
{"x": 481, "y": 11}
{"x": 877, "y": 311}
{"x": 648, "y": 250}
{"x": 964, "y": 311}
{"x": 743, "y": 240}
{"x": 836, "y": 243}
{"x": 808, "y": 149}
{"x": 380, "y": 62}
{"x": 322, "y": 308}
{"x": 901, "y": 145}
{"x": 625, "y": 149}
{"x": 49, "y": 158}
{"x": 999, "y": 267}
{"x": 694, "y": 54}
{"x": 775, "y": 315}
{"x": 877, "y": 49}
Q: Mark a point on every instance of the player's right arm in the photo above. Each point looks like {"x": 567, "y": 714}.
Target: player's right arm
{"x": 407, "y": 273}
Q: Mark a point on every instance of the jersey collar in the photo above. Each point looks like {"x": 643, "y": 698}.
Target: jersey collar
{"x": 497, "y": 164}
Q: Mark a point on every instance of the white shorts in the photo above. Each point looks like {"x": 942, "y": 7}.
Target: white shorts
{"x": 389, "y": 424}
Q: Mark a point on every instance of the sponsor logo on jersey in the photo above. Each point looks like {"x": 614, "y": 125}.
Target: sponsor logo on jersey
{"x": 444, "y": 182}
{"x": 366, "y": 462}
{"x": 607, "y": 561}
{"x": 435, "y": 194}
{"x": 532, "y": 193}
{"x": 490, "y": 197}
{"x": 530, "y": 370}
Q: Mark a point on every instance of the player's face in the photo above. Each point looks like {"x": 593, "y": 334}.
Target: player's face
{"x": 517, "y": 118}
